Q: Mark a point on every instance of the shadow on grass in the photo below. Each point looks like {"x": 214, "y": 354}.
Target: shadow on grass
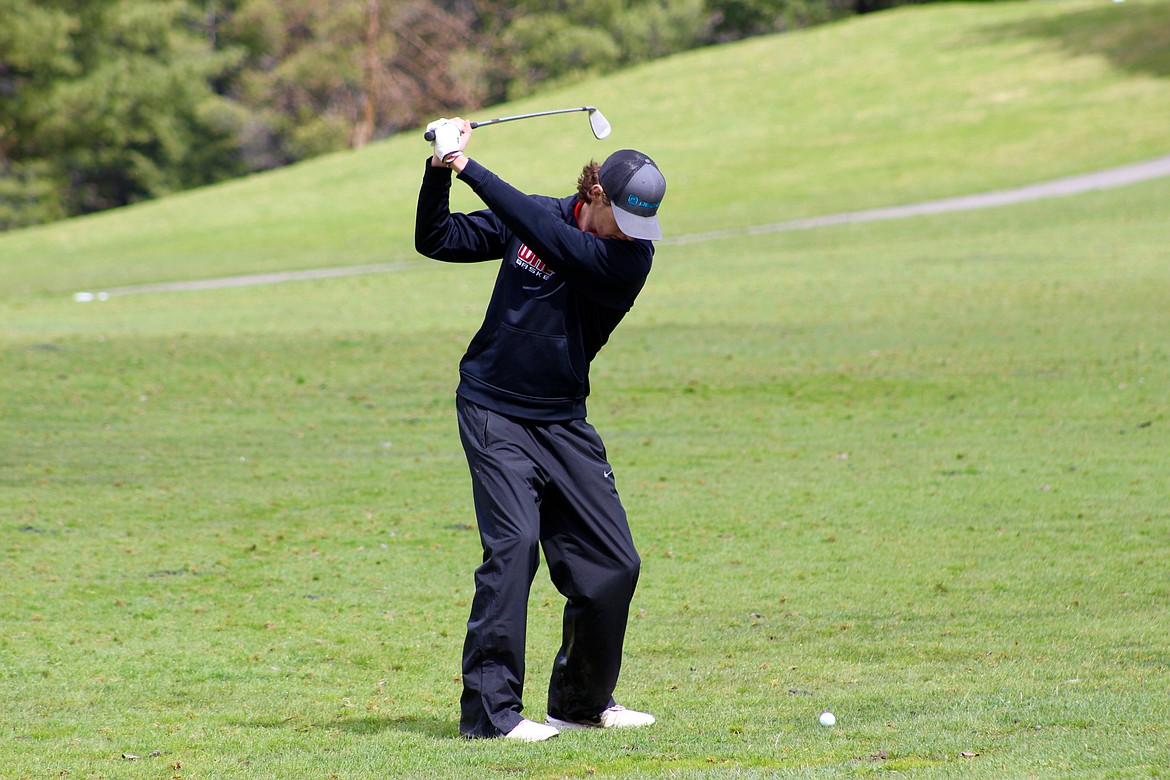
{"x": 1134, "y": 38}
{"x": 438, "y": 728}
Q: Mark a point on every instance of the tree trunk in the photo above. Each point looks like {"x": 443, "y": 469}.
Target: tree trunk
{"x": 364, "y": 130}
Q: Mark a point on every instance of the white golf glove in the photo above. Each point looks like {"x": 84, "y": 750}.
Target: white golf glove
{"x": 446, "y": 143}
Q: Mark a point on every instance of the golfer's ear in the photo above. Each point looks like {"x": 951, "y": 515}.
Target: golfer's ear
{"x": 597, "y": 194}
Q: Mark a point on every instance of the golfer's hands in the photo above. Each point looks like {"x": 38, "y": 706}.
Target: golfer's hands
{"x": 446, "y": 143}
{"x": 451, "y": 138}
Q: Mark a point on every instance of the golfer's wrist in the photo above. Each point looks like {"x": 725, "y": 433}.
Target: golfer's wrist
{"x": 457, "y": 162}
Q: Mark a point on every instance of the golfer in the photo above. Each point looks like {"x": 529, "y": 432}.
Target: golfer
{"x": 571, "y": 269}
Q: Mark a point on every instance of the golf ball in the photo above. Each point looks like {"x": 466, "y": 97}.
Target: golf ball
{"x": 828, "y": 719}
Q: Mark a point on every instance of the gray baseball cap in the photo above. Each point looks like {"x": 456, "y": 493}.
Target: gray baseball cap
{"x": 635, "y": 187}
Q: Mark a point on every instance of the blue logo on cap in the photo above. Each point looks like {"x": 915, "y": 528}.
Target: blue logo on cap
{"x": 634, "y": 200}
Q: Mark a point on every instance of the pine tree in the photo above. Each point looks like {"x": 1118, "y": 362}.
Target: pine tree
{"x": 108, "y": 102}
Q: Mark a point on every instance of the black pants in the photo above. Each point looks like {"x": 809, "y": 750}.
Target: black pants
{"x": 543, "y": 485}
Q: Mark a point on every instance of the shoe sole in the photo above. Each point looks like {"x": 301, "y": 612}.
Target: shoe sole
{"x": 531, "y": 739}
{"x": 569, "y": 724}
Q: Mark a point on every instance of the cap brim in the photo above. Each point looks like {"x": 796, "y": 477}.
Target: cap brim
{"x": 637, "y": 227}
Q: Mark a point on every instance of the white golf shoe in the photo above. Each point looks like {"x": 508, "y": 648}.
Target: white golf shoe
{"x": 615, "y": 717}
{"x": 531, "y": 731}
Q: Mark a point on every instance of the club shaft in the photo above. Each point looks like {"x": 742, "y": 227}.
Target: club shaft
{"x": 430, "y": 135}
{"x": 530, "y": 116}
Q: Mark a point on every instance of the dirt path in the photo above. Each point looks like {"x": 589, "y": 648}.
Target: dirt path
{"x": 1109, "y": 178}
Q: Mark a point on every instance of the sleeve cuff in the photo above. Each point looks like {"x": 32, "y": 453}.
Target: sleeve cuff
{"x": 438, "y": 172}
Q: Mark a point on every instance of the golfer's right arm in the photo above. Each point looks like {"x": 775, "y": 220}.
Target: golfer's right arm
{"x": 454, "y": 238}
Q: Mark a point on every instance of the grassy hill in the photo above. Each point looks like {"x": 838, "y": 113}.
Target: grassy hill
{"x": 919, "y": 103}
{"x": 912, "y": 472}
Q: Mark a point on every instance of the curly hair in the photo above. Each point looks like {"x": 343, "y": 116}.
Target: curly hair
{"x": 587, "y": 180}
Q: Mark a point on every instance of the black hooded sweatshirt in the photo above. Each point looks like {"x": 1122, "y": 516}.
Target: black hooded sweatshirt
{"x": 559, "y": 293}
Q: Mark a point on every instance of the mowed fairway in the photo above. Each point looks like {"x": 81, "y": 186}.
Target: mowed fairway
{"x": 911, "y": 472}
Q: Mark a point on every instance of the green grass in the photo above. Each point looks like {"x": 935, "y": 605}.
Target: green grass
{"x": 912, "y": 472}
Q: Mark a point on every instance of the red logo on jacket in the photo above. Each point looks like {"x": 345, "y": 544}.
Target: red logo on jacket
{"x": 527, "y": 259}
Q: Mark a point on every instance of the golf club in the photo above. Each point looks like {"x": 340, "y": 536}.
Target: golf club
{"x": 597, "y": 122}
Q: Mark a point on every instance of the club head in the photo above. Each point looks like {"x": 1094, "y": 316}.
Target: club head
{"x": 599, "y": 124}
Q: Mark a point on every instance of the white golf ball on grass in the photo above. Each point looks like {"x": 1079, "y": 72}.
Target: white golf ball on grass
{"x": 828, "y": 719}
